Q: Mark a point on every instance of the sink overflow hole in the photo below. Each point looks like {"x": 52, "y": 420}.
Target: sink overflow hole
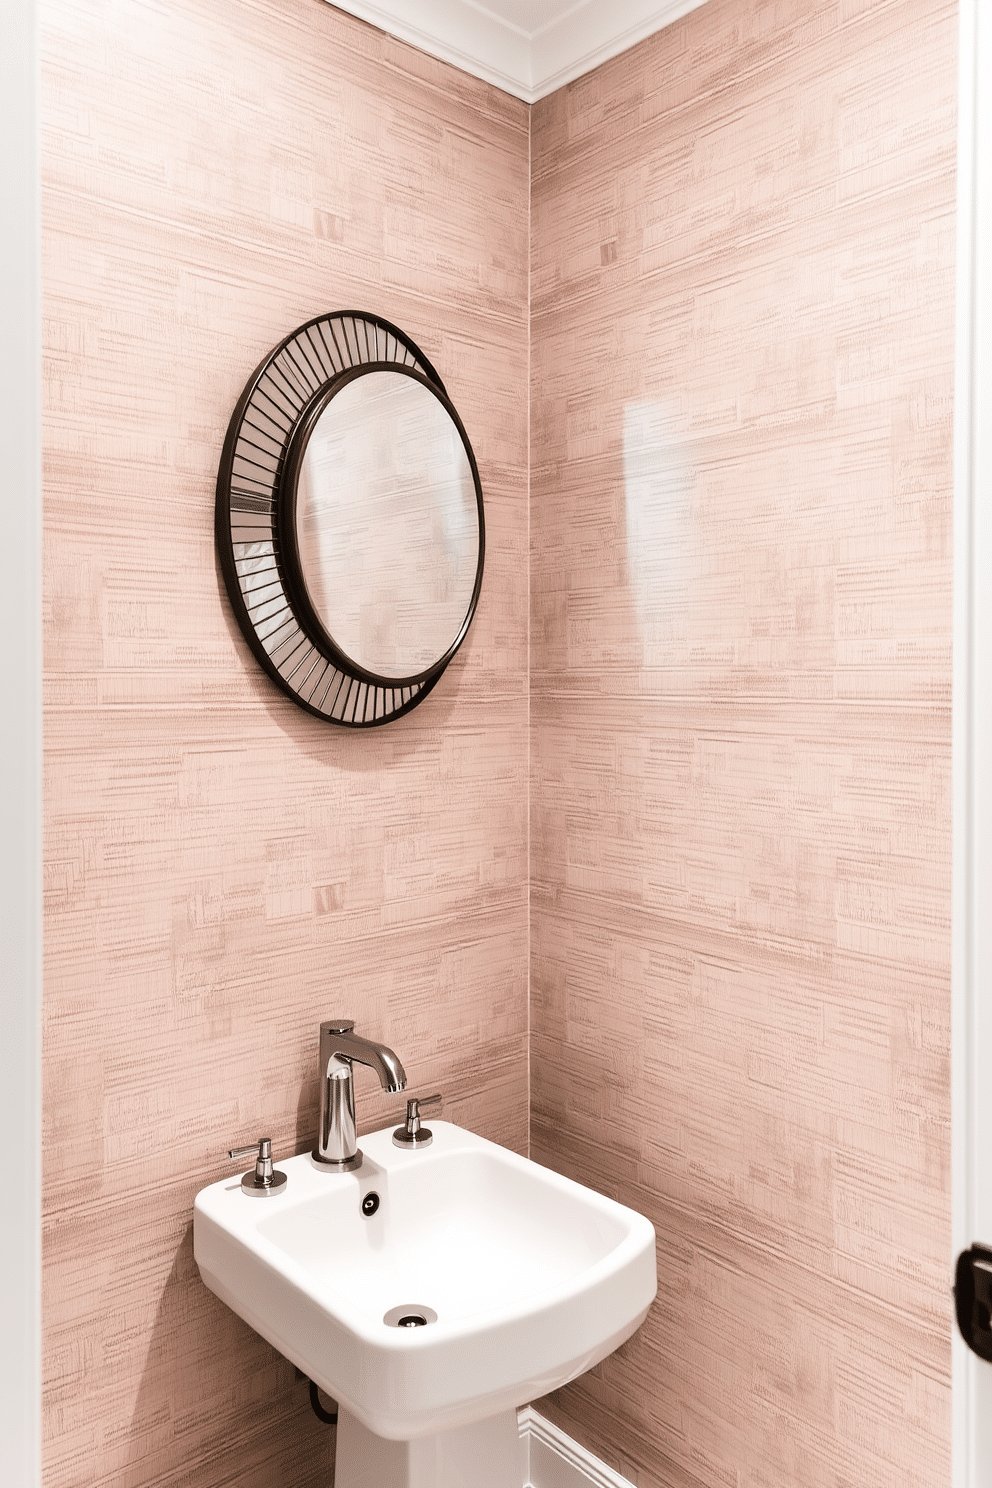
{"x": 370, "y": 1204}
{"x": 410, "y": 1315}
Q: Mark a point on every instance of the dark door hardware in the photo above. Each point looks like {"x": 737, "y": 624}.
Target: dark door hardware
{"x": 973, "y": 1299}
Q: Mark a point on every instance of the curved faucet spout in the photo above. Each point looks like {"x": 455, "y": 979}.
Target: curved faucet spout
{"x": 338, "y": 1039}
{"x": 340, "y": 1047}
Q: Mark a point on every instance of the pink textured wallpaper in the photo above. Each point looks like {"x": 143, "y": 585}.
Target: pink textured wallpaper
{"x": 738, "y": 309}
{"x": 222, "y": 870}
{"x": 742, "y": 349}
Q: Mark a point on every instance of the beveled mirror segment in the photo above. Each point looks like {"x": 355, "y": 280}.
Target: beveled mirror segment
{"x": 350, "y": 524}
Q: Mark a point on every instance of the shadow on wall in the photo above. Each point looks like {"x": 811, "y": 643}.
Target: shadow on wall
{"x": 351, "y": 750}
{"x": 179, "y": 1434}
{"x": 281, "y": 1444}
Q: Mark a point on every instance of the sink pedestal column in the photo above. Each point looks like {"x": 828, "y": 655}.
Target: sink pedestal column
{"x": 487, "y": 1454}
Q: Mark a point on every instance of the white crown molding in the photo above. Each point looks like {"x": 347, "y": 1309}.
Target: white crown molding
{"x": 528, "y": 64}
{"x": 457, "y": 32}
{"x": 553, "y": 1460}
{"x": 594, "y": 32}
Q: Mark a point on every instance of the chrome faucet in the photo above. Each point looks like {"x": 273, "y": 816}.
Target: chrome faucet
{"x": 337, "y": 1149}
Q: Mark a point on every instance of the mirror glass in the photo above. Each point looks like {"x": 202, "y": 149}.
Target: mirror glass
{"x": 387, "y": 524}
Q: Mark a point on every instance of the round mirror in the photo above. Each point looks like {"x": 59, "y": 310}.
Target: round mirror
{"x": 382, "y": 522}
{"x": 350, "y": 528}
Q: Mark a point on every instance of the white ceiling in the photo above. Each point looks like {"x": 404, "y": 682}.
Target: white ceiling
{"x": 527, "y": 47}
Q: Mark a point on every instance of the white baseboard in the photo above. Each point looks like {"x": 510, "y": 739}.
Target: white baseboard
{"x": 554, "y": 1460}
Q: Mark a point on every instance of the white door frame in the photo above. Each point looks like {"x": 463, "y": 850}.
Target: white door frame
{"x": 20, "y": 750}
{"x": 971, "y": 1033}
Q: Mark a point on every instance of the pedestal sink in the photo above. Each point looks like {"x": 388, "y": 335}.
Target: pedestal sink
{"x": 478, "y": 1282}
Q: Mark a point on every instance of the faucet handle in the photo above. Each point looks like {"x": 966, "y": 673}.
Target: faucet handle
{"x": 265, "y": 1181}
{"x": 263, "y": 1147}
{"x": 413, "y": 1134}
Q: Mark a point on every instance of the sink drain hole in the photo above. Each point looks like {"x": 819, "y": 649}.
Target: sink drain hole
{"x": 410, "y": 1315}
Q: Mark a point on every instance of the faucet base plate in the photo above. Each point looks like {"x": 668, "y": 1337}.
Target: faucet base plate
{"x": 257, "y": 1190}
{"x": 336, "y": 1164}
{"x": 422, "y": 1138}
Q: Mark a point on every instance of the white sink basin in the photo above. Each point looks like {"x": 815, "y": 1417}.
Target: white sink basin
{"x": 533, "y": 1278}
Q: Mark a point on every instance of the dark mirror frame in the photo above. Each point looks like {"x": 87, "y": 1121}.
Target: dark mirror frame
{"x": 286, "y": 391}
